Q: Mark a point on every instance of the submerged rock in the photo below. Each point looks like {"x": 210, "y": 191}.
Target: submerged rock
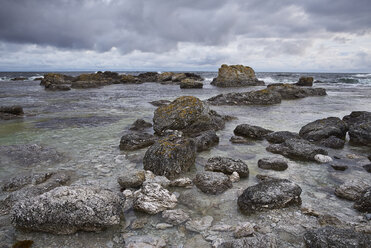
{"x": 160, "y": 103}
{"x": 249, "y": 131}
{"x": 212, "y": 182}
{"x": 144, "y": 241}
{"x": 359, "y": 123}
{"x": 305, "y": 81}
{"x": 206, "y": 140}
{"x": 236, "y": 76}
{"x": 351, "y": 190}
{"x": 10, "y": 112}
{"x": 227, "y": 166}
{"x": 363, "y": 203}
{"x": 258, "y": 241}
{"x": 278, "y": 164}
{"x": 259, "y": 97}
{"x": 199, "y": 225}
{"x": 281, "y": 136}
{"x": 324, "y": 128}
{"x": 135, "y": 140}
{"x": 140, "y": 125}
{"x": 175, "y": 217}
{"x": 269, "y": 194}
{"x": 133, "y": 179}
{"x": 65, "y": 210}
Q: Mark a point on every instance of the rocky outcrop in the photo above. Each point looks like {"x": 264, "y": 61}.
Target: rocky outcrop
{"x": 363, "y": 203}
{"x": 212, "y": 182}
{"x": 236, "y": 76}
{"x": 297, "y": 149}
{"x": 187, "y": 114}
{"x": 352, "y": 190}
{"x": 65, "y": 210}
{"x": 259, "y": 97}
{"x": 140, "y": 125}
{"x": 269, "y": 194}
{"x": 170, "y": 156}
{"x": 206, "y": 140}
{"x": 253, "y": 132}
{"x": 277, "y": 164}
{"x": 10, "y": 112}
{"x": 305, "y": 81}
{"x": 89, "y": 84}
{"x": 359, "y": 123}
{"x": 190, "y": 84}
{"x": 148, "y": 77}
{"x": 324, "y": 128}
{"x": 227, "y": 166}
{"x": 127, "y": 79}
{"x": 132, "y": 179}
{"x": 136, "y": 140}
{"x": 290, "y": 91}
{"x": 281, "y": 136}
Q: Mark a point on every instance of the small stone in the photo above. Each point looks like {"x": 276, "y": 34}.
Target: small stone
{"x": 212, "y": 182}
{"x": 162, "y": 226}
{"x": 244, "y": 230}
{"x": 322, "y": 158}
{"x": 234, "y": 177}
{"x": 277, "y": 164}
{"x": 227, "y": 166}
{"x": 175, "y": 217}
{"x": 199, "y": 225}
{"x": 339, "y": 167}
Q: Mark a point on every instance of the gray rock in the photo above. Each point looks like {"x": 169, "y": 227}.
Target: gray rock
{"x": 65, "y": 210}
{"x": 367, "y": 167}
{"x": 305, "y": 81}
{"x": 152, "y": 198}
{"x": 236, "y": 76}
{"x": 336, "y": 237}
{"x": 351, "y": 190}
{"x": 212, "y": 182}
{"x": 297, "y": 149}
{"x": 133, "y": 179}
{"x": 249, "y": 131}
{"x": 199, "y": 225}
{"x": 259, "y": 97}
{"x": 181, "y": 182}
{"x": 259, "y": 241}
{"x": 333, "y": 142}
{"x": 56, "y": 87}
{"x": 175, "y": 217}
{"x": 243, "y": 230}
{"x": 240, "y": 140}
{"x": 227, "y": 166}
{"x": 278, "y": 164}
{"x": 170, "y": 156}
{"x": 206, "y": 140}
{"x": 140, "y": 125}
{"x": 144, "y": 241}
{"x": 10, "y": 112}
{"x": 148, "y": 77}
{"x": 135, "y": 140}
{"x": 190, "y": 84}
{"x": 234, "y": 177}
{"x": 269, "y": 194}
{"x": 159, "y": 103}
{"x": 20, "y": 181}
{"x": 339, "y": 167}
{"x": 363, "y": 203}
{"x": 359, "y": 123}
{"x": 323, "y": 129}
{"x": 290, "y": 91}
{"x": 281, "y": 136}
{"x": 152, "y": 178}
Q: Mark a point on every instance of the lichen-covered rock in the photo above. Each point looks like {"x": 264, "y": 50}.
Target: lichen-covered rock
{"x": 269, "y": 194}
{"x": 135, "y": 140}
{"x": 351, "y": 190}
{"x": 227, "y": 166}
{"x": 140, "y": 125}
{"x": 359, "y": 123}
{"x": 259, "y": 97}
{"x": 56, "y": 78}
{"x": 333, "y": 142}
{"x": 297, "y": 149}
{"x": 336, "y": 237}
{"x": 290, "y": 91}
{"x": 152, "y": 198}
{"x": 249, "y": 131}
{"x": 281, "y": 136}
{"x": 190, "y": 84}
{"x": 305, "y": 81}
{"x": 323, "y": 129}
{"x": 363, "y": 203}
{"x": 236, "y": 76}
{"x": 65, "y": 210}
{"x": 278, "y": 164}
{"x": 128, "y": 79}
{"x": 178, "y": 77}
{"x": 170, "y": 156}
{"x": 206, "y": 140}
{"x": 165, "y": 76}
{"x": 187, "y": 114}
{"x": 132, "y": 179}
{"x": 175, "y": 217}
{"x": 212, "y": 182}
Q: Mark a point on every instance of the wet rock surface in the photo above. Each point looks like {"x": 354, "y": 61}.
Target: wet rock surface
{"x": 281, "y": 136}
{"x": 352, "y": 189}
{"x": 333, "y": 142}
{"x": 175, "y": 217}
{"x": 227, "y": 166}
{"x": 253, "y": 132}
{"x": 278, "y": 164}
{"x": 260, "y": 97}
{"x": 136, "y": 140}
{"x": 236, "y": 76}
{"x": 10, "y": 112}
{"x": 359, "y": 123}
{"x": 206, "y": 140}
{"x": 324, "y": 128}
{"x": 259, "y": 241}
{"x": 131, "y": 179}
{"x": 212, "y": 182}
{"x": 363, "y": 202}
{"x": 305, "y": 81}
{"x": 140, "y": 125}
{"x": 190, "y": 84}
{"x": 290, "y": 91}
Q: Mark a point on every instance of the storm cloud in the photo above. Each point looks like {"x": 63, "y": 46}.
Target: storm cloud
{"x": 156, "y": 28}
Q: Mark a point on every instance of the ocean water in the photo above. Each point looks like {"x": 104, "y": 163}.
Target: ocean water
{"x": 86, "y": 125}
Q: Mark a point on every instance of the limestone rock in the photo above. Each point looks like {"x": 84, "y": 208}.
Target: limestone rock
{"x": 278, "y": 164}
{"x": 133, "y": 179}
{"x": 351, "y": 190}
{"x": 227, "y": 166}
{"x": 212, "y": 182}
{"x": 175, "y": 217}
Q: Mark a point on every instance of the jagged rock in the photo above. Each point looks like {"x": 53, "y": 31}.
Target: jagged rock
{"x": 243, "y": 230}
{"x": 359, "y": 123}
{"x": 335, "y": 237}
{"x": 212, "y": 182}
{"x": 269, "y": 194}
{"x": 206, "y": 140}
{"x": 152, "y": 198}
{"x": 236, "y": 76}
{"x": 297, "y": 149}
{"x": 363, "y": 203}
{"x": 322, "y": 158}
{"x": 278, "y": 164}
{"x": 290, "y": 91}
{"x": 190, "y": 84}
{"x": 333, "y": 142}
{"x": 160, "y": 103}
{"x": 305, "y": 81}
{"x": 175, "y": 217}
{"x": 181, "y": 182}
{"x": 259, "y": 97}
{"x": 324, "y": 128}
{"x": 133, "y": 179}
{"x": 259, "y": 241}
{"x": 144, "y": 241}
{"x": 148, "y": 77}
{"x": 170, "y": 156}
{"x": 199, "y": 225}
{"x": 351, "y": 190}
{"x": 135, "y": 140}
{"x": 187, "y": 114}
{"x": 65, "y": 210}
{"x": 234, "y": 177}
{"x": 140, "y": 125}
{"x": 227, "y": 166}
{"x": 249, "y": 131}
{"x": 281, "y": 136}
{"x": 367, "y": 167}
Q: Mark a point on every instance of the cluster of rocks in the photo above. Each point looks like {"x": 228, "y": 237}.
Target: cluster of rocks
{"x": 10, "y": 112}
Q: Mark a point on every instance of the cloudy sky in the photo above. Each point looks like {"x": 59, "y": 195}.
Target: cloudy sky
{"x": 269, "y": 35}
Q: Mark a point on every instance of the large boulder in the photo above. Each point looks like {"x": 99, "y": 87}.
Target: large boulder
{"x": 281, "y": 136}
{"x": 227, "y": 166}
{"x": 305, "y": 81}
{"x": 290, "y": 91}
{"x": 259, "y": 97}
{"x": 363, "y": 203}
{"x": 330, "y": 236}
{"x": 297, "y": 149}
{"x": 269, "y": 194}
{"x": 359, "y": 123}
{"x": 236, "y": 76}
{"x": 250, "y": 131}
{"x": 324, "y": 128}
{"x": 65, "y": 210}
{"x": 187, "y": 114}
{"x": 170, "y": 156}
{"x": 136, "y": 140}
{"x": 212, "y": 182}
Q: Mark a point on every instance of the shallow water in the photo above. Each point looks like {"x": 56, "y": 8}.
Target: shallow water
{"x": 86, "y": 127}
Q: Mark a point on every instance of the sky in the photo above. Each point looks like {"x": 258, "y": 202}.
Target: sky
{"x": 195, "y": 35}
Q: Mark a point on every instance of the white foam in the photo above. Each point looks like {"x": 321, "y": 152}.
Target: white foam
{"x": 363, "y": 75}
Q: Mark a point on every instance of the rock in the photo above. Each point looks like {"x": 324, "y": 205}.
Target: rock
{"x": 160, "y": 103}
{"x": 178, "y": 77}
{"x": 181, "y": 182}
{"x": 351, "y": 190}
{"x": 199, "y": 225}
{"x": 206, "y": 140}
{"x": 65, "y": 210}
{"x": 281, "y": 136}
{"x": 135, "y": 140}
{"x": 333, "y": 142}
{"x": 323, "y": 129}
{"x": 162, "y": 226}
{"x": 139, "y": 223}
{"x": 163, "y": 181}
{"x": 367, "y": 167}
{"x": 359, "y": 123}
{"x": 339, "y": 167}
{"x": 19, "y": 79}
{"x": 20, "y": 181}
{"x": 128, "y": 79}
{"x": 56, "y": 87}
{"x": 152, "y": 198}
{"x": 305, "y": 81}
{"x": 328, "y": 220}
{"x": 335, "y": 237}
{"x": 165, "y": 76}
{"x": 140, "y": 125}
{"x": 297, "y": 149}
{"x": 212, "y": 182}
{"x": 148, "y": 77}
{"x": 249, "y": 131}
{"x": 175, "y": 217}
{"x": 323, "y": 159}
{"x": 236, "y": 76}
{"x": 88, "y": 84}
{"x": 269, "y": 194}
{"x": 259, "y": 97}
{"x": 290, "y": 91}
{"x": 363, "y": 203}
{"x": 227, "y": 166}
{"x": 144, "y": 241}
{"x": 190, "y": 84}
{"x": 55, "y": 79}
{"x": 132, "y": 179}
{"x": 278, "y": 164}
{"x": 170, "y": 156}
{"x": 14, "y": 110}
{"x": 240, "y": 140}
{"x": 234, "y": 177}
{"x": 187, "y": 114}
{"x": 197, "y": 241}
{"x": 243, "y": 230}
{"x": 261, "y": 177}
{"x": 259, "y": 241}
